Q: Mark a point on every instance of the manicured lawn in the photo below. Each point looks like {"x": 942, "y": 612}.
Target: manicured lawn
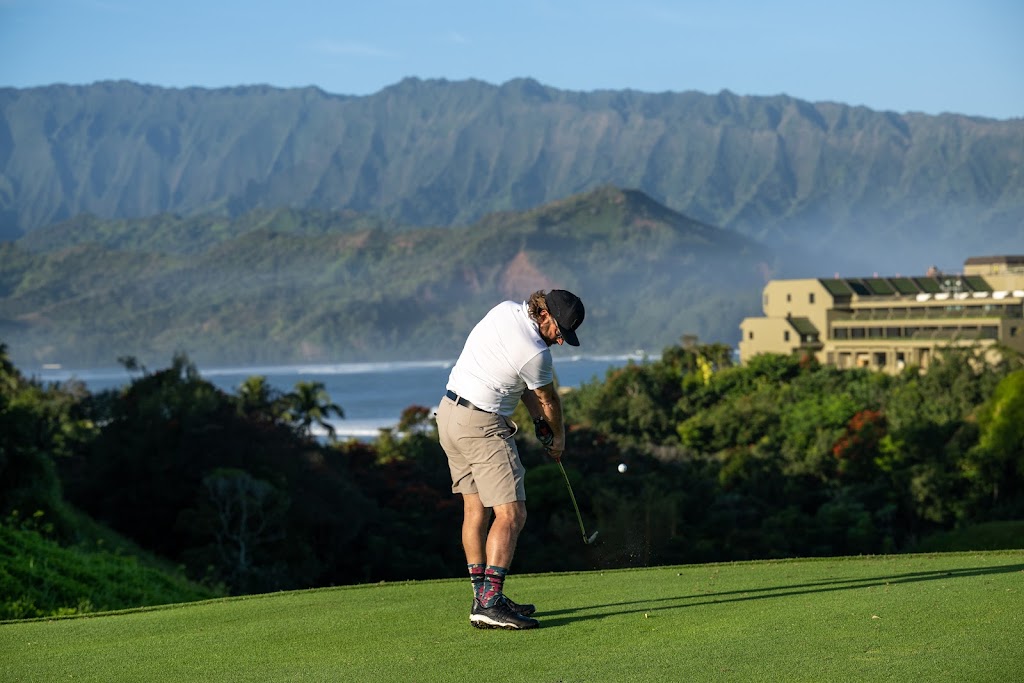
{"x": 942, "y": 617}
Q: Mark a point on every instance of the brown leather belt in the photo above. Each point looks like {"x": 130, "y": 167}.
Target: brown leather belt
{"x": 462, "y": 402}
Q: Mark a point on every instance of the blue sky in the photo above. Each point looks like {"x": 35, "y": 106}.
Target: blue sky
{"x": 964, "y": 56}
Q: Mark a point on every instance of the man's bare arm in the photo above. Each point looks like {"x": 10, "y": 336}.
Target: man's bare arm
{"x": 544, "y": 402}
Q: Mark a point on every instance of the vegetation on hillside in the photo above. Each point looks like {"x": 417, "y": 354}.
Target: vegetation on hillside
{"x": 779, "y": 458}
{"x": 301, "y": 286}
{"x": 41, "y": 578}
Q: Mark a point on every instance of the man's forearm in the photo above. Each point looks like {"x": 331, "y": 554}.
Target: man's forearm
{"x": 547, "y": 404}
{"x": 552, "y": 412}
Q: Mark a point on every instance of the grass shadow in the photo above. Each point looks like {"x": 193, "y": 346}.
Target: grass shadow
{"x": 565, "y": 616}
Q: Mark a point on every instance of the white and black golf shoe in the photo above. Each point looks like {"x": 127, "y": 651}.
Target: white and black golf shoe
{"x": 525, "y": 610}
{"x": 499, "y": 615}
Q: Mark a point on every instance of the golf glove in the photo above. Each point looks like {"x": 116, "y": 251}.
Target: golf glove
{"x": 543, "y": 431}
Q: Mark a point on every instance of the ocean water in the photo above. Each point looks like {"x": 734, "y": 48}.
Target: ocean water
{"x": 372, "y": 395}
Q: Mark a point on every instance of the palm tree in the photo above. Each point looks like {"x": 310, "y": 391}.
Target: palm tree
{"x": 310, "y": 404}
{"x": 257, "y": 398}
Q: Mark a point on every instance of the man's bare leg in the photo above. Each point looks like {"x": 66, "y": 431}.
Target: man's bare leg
{"x": 509, "y": 519}
{"x": 475, "y": 519}
{"x": 497, "y": 545}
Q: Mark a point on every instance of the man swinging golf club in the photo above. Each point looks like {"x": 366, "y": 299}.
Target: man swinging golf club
{"x": 507, "y": 358}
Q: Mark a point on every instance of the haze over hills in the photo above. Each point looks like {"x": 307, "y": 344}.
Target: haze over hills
{"x": 300, "y": 285}
{"x": 863, "y": 191}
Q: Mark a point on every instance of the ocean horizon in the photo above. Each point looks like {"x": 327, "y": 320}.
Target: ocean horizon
{"x": 371, "y": 394}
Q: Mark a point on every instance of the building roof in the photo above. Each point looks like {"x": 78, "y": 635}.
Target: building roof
{"x": 905, "y": 286}
{"x": 837, "y": 287}
{"x": 1014, "y": 260}
{"x": 804, "y": 327}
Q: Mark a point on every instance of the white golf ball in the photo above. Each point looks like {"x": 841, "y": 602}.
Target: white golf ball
{"x": 622, "y": 467}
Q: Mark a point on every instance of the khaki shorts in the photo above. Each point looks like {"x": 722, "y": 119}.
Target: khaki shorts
{"x": 482, "y": 454}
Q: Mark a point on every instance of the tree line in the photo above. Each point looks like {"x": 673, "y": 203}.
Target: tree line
{"x": 249, "y": 491}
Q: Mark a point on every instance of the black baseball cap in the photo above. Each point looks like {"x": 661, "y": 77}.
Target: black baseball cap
{"x": 567, "y": 310}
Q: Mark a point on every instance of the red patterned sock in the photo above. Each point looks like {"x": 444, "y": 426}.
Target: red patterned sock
{"x": 476, "y": 576}
{"x": 494, "y": 582}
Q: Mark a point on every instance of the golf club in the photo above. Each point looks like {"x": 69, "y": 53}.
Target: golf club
{"x": 588, "y": 540}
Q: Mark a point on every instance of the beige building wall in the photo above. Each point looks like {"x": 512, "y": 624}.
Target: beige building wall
{"x": 994, "y": 265}
{"x": 782, "y": 301}
{"x": 798, "y": 299}
{"x": 766, "y": 335}
{"x": 891, "y": 331}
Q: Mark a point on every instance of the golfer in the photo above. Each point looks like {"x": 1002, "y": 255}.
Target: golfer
{"x": 507, "y": 357}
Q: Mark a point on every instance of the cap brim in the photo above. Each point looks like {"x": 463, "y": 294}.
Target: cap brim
{"x": 570, "y": 337}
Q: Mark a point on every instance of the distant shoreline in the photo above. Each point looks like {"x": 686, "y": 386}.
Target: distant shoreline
{"x": 55, "y": 372}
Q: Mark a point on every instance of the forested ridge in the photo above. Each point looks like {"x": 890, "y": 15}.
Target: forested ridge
{"x": 838, "y": 180}
{"x": 290, "y": 285}
{"x": 778, "y": 458}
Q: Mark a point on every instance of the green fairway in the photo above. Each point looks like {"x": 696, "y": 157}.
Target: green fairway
{"x": 942, "y": 617}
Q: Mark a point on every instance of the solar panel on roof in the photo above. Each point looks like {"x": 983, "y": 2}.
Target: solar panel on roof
{"x": 977, "y": 283}
{"x": 836, "y": 287}
{"x": 904, "y": 285}
{"x": 858, "y": 287}
{"x": 878, "y": 286}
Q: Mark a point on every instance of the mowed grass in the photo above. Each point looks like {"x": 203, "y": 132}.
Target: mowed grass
{"x": 940, "y": 617}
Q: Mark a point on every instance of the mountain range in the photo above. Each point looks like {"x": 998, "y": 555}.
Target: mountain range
{"x": 863, "y": 190}
{"x": 259, "y": 224}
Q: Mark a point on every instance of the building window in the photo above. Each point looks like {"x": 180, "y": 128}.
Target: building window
{"x": 789, "y": 297}
{"x": 1013, "y": 331}
{"x": 810, "y": 298}
{"x": 840, "y": 333}
{"x": 750, "y": 335}
{"x": 785, "y": 335}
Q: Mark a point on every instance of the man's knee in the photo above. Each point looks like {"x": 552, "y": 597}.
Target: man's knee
{"x": 513, "y": 514}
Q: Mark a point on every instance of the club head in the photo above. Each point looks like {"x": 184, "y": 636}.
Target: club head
{"x": 593, "y": 537}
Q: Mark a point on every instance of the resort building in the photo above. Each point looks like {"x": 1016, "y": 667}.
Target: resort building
{"x": 887, "y": 323}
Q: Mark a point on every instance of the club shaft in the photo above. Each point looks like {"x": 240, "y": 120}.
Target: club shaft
{"x": 579, "y": 517}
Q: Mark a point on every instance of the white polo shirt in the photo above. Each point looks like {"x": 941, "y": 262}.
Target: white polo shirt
{"x": 504, "y": 355}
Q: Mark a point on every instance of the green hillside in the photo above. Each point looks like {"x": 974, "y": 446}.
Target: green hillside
{"x": 296, "y": 286}
{"x": 943, "y": 617}
{"x": 40, "y": 578}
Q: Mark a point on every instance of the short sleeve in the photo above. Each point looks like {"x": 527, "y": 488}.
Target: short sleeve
{"x": 538, "y": 371}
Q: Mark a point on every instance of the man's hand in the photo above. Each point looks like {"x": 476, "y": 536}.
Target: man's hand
{"x": 546, "y": 437}
{"x": 543, "y": 431}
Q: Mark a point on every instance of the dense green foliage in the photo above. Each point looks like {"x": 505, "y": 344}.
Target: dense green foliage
{"x": 54, "y": 560}
{"x": 779, "y": 458}
{"x": 984, "y": 536}
{"x": 40, "y": 578}
{"x": 300, "y": 286}
{"x": 783, "y": 457}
